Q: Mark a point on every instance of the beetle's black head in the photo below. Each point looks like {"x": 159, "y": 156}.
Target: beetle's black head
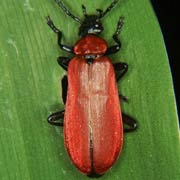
{"x": 90, "y": 25}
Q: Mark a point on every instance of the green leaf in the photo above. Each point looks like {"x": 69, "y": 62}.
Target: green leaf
{"x": 30, "y": 90}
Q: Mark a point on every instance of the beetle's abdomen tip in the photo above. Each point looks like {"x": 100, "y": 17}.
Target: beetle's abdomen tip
{"x": 94, "y": 175}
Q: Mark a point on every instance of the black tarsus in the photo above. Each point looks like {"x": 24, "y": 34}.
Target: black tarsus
{"x": 59, "y": 33}
{"x": 130, "y": 122}
{"x": 116, "y": 48}
{"x": 63, "y": 7}
{"x": 53, "y": 118}
{"x": 119, "y": 27}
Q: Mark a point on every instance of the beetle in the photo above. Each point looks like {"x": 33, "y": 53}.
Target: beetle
{"x": 93, "y": 129}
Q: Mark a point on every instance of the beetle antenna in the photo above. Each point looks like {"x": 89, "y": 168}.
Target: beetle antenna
{"x": 84, "y": 10}
{"x": 59, "y": 2}
{"x": 102, "y": 14}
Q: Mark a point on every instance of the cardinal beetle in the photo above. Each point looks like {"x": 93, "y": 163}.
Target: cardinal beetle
{"x": 93, "y": 128}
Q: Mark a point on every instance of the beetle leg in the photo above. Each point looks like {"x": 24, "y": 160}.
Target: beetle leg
{"x": 116, "y": 48}
{"x": 130, "y": 122}
{"x": 113, "y": 49}
{"x": 124, "y": 98}
{"x": 59, "y": 34}
{"x": 121, "y": 68}
{"x": 64, "y": 84}
{"x": 53, "y": 118}
{"x": 63, "y": 62}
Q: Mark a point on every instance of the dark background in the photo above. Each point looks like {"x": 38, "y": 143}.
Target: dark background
{"x": 167, "y": 12}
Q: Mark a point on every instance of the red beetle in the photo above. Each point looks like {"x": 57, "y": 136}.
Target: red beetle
{"x": 93, "y": 128}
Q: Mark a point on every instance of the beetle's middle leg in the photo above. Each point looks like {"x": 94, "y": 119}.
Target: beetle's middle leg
{"x": 55, "y": 118}
{"x": 121, "y": 69}
{"x": 64, "y": 84}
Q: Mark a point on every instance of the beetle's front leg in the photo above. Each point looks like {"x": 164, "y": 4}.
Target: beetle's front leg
{"x": 63, "y": 62}
{"x": 59, "y": 34}
{"x": 55, "y": 117}
{"x": 116, "y": 48}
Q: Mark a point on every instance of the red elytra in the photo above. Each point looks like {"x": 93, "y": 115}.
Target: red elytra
{"x": 93, "y": 123}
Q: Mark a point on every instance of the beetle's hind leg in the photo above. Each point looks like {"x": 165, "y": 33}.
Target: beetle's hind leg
{"x": 130, "y": 122}
{"x": 121, "y": 68}
{"x": 123, "y": 98}
{"x": 55, "y": 117}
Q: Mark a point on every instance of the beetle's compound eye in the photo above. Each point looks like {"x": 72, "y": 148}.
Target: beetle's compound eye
{"x": 98, "y": 27}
